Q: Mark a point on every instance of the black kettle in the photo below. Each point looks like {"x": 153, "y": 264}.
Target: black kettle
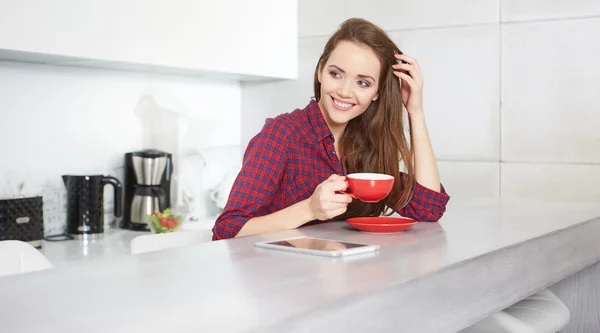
{"x": 85, "y": 204}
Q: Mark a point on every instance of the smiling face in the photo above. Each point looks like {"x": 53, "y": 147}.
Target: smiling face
{"x": 349, "y": 81}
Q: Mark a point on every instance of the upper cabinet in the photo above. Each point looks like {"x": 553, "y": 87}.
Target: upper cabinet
{"x": 237, "y": 39}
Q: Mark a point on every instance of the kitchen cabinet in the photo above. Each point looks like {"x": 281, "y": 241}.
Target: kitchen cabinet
{"x": 238, "y": 39}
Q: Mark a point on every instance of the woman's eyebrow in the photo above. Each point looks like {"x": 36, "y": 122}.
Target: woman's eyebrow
{"x": 359, "y": 75}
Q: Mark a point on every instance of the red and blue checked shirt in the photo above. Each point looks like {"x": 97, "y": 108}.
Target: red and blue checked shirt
{"x": 284, "y": 163}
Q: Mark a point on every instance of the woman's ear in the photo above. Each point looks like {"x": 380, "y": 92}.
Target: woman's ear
{"x": 376, "y": 97}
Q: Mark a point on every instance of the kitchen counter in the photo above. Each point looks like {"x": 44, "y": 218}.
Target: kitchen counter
{"x": 115, "y": 242}
{"x": 437, "y": 277}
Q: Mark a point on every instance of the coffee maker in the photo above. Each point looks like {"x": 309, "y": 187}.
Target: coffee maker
{"x": 147, "y": 187}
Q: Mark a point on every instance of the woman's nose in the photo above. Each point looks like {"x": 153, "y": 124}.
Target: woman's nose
{"x": 344, "y": 90}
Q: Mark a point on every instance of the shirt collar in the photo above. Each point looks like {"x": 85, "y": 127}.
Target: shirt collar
{"x": 317, "y": 121}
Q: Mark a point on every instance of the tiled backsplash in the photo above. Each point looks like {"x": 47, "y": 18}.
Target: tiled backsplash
{"x": 68, "y": 120}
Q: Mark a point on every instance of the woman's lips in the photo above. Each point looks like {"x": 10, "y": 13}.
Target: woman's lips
{"x": 341, "y": 106}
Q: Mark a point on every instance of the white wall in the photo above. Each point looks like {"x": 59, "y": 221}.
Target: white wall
{"x": 68, "y": 120}
{"x": 512, "y": 89}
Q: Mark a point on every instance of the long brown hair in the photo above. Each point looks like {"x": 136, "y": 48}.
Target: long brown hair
{"x": 375, "y": 140}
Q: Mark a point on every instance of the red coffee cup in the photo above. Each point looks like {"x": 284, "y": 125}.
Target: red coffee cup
{"x": 369, "y": 187}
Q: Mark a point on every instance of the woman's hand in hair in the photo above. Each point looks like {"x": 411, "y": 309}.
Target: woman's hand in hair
{"x": 325, "y": 203}
{"x": 411, "y": 80}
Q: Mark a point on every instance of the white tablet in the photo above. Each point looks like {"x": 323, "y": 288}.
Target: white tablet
{"x": 318, "y": 246}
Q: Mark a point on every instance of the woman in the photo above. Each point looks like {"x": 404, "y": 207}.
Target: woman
{"x": 293, "y": 169}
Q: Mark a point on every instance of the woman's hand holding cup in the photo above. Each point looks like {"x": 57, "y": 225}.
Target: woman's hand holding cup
{"x": 325, "y": 203}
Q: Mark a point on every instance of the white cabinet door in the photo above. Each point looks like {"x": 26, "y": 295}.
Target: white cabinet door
{"x": 257, "y": 37}
{"x": 104, "y": 30}
{"x": 252, "y": 39}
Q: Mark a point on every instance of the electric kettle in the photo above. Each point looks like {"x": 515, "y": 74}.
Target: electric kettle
{"x": 85, "y": 204}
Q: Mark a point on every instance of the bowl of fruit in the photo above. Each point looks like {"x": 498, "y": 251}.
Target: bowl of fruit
{"x": 166, "y": 221}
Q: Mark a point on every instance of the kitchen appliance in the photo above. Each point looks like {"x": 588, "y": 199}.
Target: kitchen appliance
{"x": 85, "y": 204}
{"x": 22, "y": 218}
{"x": 147, "y": 186}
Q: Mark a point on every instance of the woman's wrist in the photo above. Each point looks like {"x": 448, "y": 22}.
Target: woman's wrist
{"x": 305, "y": 212}
{"x": 416, "y": 115}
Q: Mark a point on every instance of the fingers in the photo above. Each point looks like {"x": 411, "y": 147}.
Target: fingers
{"x": 327, "y": 203}
{"x": 334, "y": 178}
{"x": 335, "y": 205}
{"x": 338, "y": 185}
{"x": 331, "y": 213}
{"x": 403, "y": 67}
{"x": 325, "y": 209}
{"x": 407, "y": 59}
{"x": 405, "y": 77}
{"x": 328, "y": 193}
{"x": 409, "y": 65}
{"x": 341, "y": 198}
{"x": 334, "y": 183}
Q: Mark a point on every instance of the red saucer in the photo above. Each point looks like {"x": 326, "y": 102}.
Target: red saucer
{"x": 381, "y": 225}
{"x": 381, "y": 220}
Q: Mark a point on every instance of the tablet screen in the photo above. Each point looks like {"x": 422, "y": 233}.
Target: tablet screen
{"x": 315, "y": 244}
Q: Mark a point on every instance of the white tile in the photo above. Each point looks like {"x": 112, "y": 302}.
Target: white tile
{"x": 322, "y": 18}
{"x": 410, "y": 14}
{"x": 551, "y": 91}
{"x": 461, "y": 90}
{"x": 524, "y": 10}
{"x": 465, "y": 181}
{"x": 551, "y": 182}
{"x": 269, "y": 99}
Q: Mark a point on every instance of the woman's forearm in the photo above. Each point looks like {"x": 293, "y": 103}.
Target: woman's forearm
{"x": 426, "y": 169}
{"x": 291, "y": 217}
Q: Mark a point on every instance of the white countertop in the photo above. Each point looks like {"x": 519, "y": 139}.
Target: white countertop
{"x": 437, "y": 277}
{"x": 115, "y": 242}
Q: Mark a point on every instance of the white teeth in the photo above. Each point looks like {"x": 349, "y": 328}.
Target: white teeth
{"x": 343, "y": 105}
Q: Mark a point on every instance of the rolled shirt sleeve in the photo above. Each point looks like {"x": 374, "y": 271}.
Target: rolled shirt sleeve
{"x": 426, "y": 205}
{"x": 257, "y": 182}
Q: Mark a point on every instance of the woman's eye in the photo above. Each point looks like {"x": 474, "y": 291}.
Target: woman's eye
{"x": 335, "y": 74}
{"x": 363, "y": 83}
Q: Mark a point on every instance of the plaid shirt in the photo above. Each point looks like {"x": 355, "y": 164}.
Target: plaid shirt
{"x": 284, "y": 163}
